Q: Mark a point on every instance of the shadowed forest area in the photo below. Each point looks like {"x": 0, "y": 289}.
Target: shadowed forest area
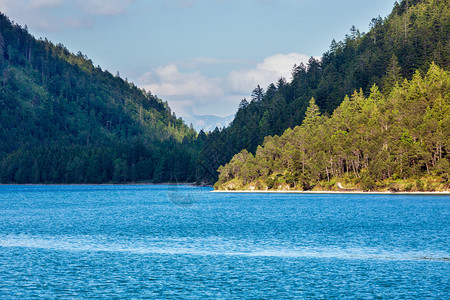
{"x": 64, "y": 120}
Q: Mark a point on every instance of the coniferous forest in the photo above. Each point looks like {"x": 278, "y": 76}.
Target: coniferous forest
{"x": 373, "y": 143}
{"x": 414, "y": 35}
{"x": 380, "y": 112}
{"x": 63, "y": 120}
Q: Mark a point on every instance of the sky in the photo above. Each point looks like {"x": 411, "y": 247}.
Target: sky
{"x": 201, "y": 56}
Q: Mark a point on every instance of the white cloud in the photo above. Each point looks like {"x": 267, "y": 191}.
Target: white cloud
{"x": 186, "y": 3}
{"x": 25, "y": 5}
{"x": 179, "y": 4}
{"x": 266, "y": 72}
{"x": 55, "y": 15}
{"x": 104, "y": 7}
{"x": 44, "y": 3}
{"x": 191, "y": 93}
{"x": 200, "y": 62}
{"x": 34, "y": 13}
{"x": 169, "y": 81}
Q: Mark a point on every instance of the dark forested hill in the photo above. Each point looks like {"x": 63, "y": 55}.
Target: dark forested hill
{"x": 415, "y": 34}
{"x": 64, "y": 120}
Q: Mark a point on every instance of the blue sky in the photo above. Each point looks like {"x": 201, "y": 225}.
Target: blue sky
{"x": 202, "y": 56}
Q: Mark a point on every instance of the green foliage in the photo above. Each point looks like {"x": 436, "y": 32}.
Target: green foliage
{"x": 270, "y": 183}
{"x": 367, "y": 182}
{"x": 415, "y": 34}
{"x": 408, "y": 187}
{"x": 65, "y": 120}
{"x": 419, "y": 185}
{"x": 370, "y": 139}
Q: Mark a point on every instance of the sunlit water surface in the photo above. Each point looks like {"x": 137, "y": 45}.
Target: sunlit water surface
{"x": 145, "y": 241}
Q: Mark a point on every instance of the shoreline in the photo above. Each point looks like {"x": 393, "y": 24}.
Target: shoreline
{"x": 106, "y": 183}
{"x": 335, "y": 192}
{"x": 356, "y": 192}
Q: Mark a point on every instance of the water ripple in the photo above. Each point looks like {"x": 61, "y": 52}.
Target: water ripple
{"x": 210, "y": 246}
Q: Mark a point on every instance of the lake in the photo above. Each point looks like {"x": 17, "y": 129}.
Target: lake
{"x": 166, "y": 241}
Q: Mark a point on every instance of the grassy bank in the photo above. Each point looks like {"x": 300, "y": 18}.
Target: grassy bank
{"x": 342, "y": 184}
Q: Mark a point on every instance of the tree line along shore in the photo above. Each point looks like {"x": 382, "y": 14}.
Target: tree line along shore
{"x": 383, "y": 142}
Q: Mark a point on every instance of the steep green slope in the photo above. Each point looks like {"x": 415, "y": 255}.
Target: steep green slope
{"x": 415, "y": 34}
{"x": 377, "y": 142}
{"x": 64, "y": 120}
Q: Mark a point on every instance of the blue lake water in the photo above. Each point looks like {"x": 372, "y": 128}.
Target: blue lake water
{"x": 144, "y": 241}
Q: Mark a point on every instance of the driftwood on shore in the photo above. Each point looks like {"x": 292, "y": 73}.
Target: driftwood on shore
{"x": 343, "y": 189}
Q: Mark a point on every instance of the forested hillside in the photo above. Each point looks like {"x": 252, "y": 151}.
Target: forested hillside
{"x": 372, "y": 143}
{"x": 65, "y": 120}
{"x": 413, "y": 36}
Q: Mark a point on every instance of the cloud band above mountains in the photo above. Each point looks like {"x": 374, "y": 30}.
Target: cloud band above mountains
{"x": 195, "y": 86}
{"x": 194, "y": 93}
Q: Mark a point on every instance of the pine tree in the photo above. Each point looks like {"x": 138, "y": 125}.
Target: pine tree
{"x": 312, "y": 115}
{"x": 393, "y": 74}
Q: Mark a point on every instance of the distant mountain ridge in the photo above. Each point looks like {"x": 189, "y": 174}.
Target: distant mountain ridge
{"x": 208, "y": 122}
{"x": 64, "y": 120}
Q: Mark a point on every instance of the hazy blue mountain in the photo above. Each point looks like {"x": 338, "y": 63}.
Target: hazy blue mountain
{"x": 208, "y": 122}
